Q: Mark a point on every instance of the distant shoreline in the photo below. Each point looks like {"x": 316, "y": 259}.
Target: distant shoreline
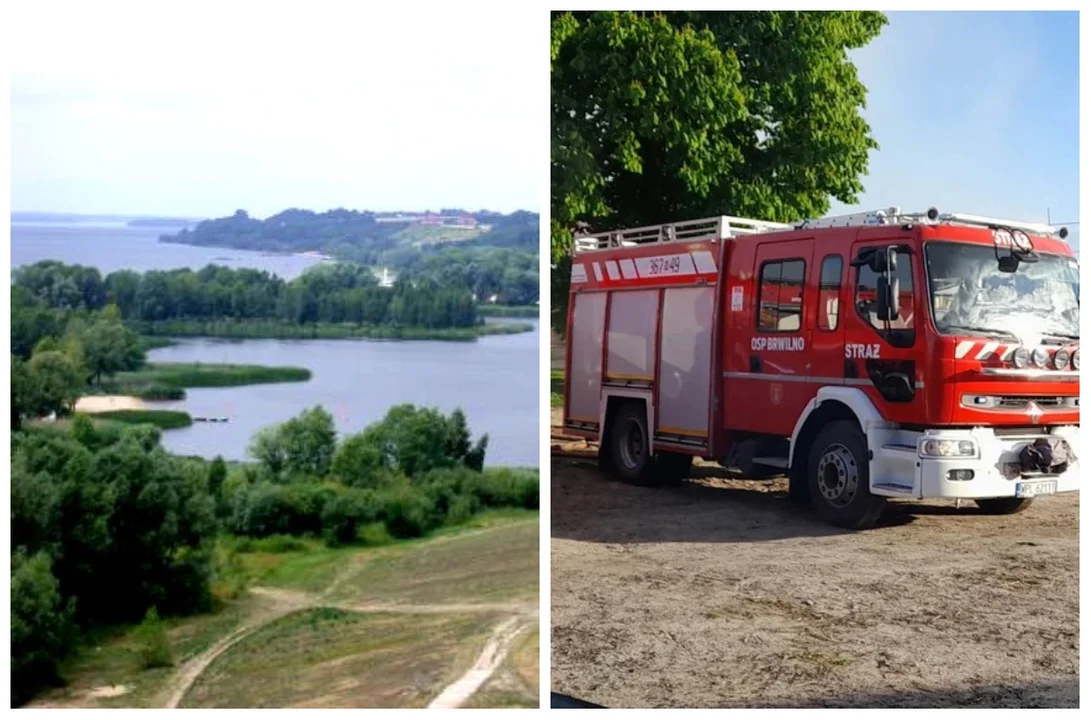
{"x": 245, "y": 330}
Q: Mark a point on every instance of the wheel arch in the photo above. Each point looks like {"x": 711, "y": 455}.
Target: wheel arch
{"x": 613, "y": 399}
{"x": 828, "y": 405}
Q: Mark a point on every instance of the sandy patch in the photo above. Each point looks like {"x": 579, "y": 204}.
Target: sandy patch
{"x": 109, "y": 691}
{"x": 105, "y": 403}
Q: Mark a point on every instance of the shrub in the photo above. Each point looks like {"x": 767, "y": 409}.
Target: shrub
{"x": 151, "y": 638}
{"x": 408, "y": 512}
{"x": 344, "y": 514}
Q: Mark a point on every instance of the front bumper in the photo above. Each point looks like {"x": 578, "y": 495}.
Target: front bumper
{"x": 991, "y": 467}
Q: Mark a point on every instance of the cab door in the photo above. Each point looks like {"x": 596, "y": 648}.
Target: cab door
{"x": 882, "y": 346}
{"x": 829, "y": 303}
{"x": 776, "y": 389}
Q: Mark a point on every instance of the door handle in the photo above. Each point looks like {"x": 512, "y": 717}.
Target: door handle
{"x": 755, "y": 364}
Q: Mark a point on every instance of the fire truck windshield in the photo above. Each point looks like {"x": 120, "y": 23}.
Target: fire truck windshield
{"x": 970, "y": 294}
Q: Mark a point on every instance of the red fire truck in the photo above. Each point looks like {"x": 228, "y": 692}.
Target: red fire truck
{"x": 868, "y": 356}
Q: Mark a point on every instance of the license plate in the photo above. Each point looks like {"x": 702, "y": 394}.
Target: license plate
{"x": 1034, "y": 489}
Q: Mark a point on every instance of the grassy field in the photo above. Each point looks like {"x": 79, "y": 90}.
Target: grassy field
{"x": 319, "y": 331}
{"x": 295, "y": 626}
{"x": 334, "y": 658}
{"x": 162, "y": 419}
{"x": 556, "y": 388}
{"x": 416, "y": 234}
{"x": 504, "y": 311}
{"x": 499, "y": 565}
{"x": 167, "y": 381}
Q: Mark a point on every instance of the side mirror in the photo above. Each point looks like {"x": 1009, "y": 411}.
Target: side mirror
{"x": 888, "y": 298}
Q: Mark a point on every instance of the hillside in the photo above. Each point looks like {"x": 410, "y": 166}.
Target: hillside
{"x": 362, "y": 236}
{"x": 447, "y": 621}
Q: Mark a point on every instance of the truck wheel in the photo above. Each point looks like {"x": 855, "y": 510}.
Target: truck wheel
{"x": 1004, "y": 505}
{"x": 672, "y": 467}
{"x": 629, "y": 446}
{"x": 837, "y": 473}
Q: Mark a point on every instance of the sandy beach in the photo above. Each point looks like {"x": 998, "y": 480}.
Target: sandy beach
{"x": 105, "y": 403}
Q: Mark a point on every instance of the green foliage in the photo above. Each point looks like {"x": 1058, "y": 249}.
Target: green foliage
{"x": 663, "y": 116}
{"x": 164, "y": 419}
{"x": 332, "y": 294}
{"x": 151, "y": 638}
{"x": 40, "y": 625}
{"x": 55, "y": 383}
{"x": 413, "y": 440}
{"x": 217, "y": 476}
{"x": 106, "y": 346}
{"x": 304, "y": 445}
{"x": 126, "y": 525}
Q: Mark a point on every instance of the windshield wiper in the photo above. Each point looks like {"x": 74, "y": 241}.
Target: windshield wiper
{"x": 992, "y": 332}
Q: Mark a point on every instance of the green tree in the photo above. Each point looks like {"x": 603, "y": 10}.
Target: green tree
{"x": 24, "y": 392}
{"x": 57, "y": 381}
{"x": 664, "y": 116}
{"x": 304, "y": 445}
{"x": 217, "y": 474}
{"x": 40, "y": 625}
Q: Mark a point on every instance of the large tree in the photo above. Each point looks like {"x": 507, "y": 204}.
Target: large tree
{"x": 666, "y": 116}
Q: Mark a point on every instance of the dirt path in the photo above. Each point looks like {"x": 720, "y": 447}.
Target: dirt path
{"x": 276, "y": 603}
{"x": 496, "y": 649}
{"x": 716, "y": 593}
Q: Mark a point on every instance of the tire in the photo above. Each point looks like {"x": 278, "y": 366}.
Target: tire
{"x": 837, "y": 474}
{"x": 630, "y": 447}
{"x": 672, "y": 467}
{"x": 1004, "y": 505}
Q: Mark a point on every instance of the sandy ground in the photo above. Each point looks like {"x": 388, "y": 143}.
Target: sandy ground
{"x": 105, "y": 403}
{"x": 717, "y": 593}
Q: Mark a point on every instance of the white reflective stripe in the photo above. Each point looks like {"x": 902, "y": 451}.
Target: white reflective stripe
{"x": 579, "y": 273}
{"x": 964, "y": 347}
{"x": 989, "y": 349}
{"x": 598, "y": 271}
{"x": 858, "y": 382}
{"x": 704, "y": 261}
{"x": 611, "y": 270}
{"x": 628, "y": 269}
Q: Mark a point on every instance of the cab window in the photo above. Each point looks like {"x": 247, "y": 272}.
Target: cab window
{"x": 780, "y": 296}
{"x": 899, "y": 332}
{"x": 829, "y": 292}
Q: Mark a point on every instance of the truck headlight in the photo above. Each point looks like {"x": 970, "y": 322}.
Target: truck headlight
{"x": 1076, "y": 359}
{"x": 934, "y": 448}
{"x": 1040, "y": 356}
{"x": 1060, "y": 359}
{"x": 1021, "y": 358}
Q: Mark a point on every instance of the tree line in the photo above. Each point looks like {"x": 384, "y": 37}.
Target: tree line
{"x": 338, "y": 293}
{"x": 108, "y": 528}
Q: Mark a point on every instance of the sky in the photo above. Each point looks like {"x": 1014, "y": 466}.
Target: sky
{"x": 198, "y": 110}
{"x": 974, "y": 112}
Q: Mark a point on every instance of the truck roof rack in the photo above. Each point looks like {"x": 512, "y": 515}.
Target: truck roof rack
{"x": 715, "y": 228}
{"x": 895, "y": 216}
{"x": 724, "y": 227}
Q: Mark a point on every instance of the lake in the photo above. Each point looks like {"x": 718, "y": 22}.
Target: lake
{"x": 494, "y": 379}
{"x": 114, "y": 246}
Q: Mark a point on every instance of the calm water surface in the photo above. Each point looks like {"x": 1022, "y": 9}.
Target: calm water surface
{"x": 111, "y": 247}
{"x": 494, "y": 380}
